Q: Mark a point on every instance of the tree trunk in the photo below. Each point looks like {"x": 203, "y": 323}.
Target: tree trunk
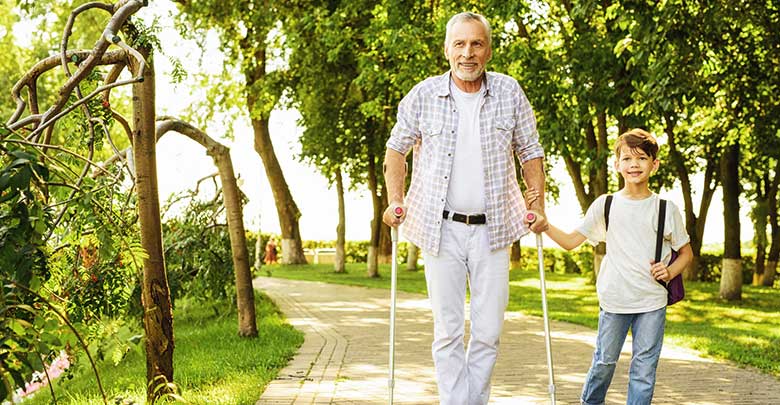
{"x": 385, "y": 241}
{"x": 258, "y": 251}
{"x": 759, "y": 215}
{"x": 694, "y": 224}
{"x": 691, "y": 272}
{"x": 411, "y": 257}
{"x": 245, "y": 293}
{"x": 774, "y": 226}
{"x": 371, "y": 261}
{"x": 770, "y": 272}
{"x": 338, "y": 262}
{"x": 292, "y": 248}
{"x": 600, "y": 184}
{"x": 731, "y": 277}
{"x": 598, "y": 256}
{"x": 515, "y": 255}
{"x": 760, "y": 264}
{"x": 376, "y": 223}
{"x": 155, "y": 294}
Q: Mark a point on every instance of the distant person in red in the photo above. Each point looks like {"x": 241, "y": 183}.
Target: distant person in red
{"x": 270, "y": 252}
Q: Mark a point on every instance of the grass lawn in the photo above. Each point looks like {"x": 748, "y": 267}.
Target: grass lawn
{"x": 212, "y": 365}
{"x": 746, "y": 332}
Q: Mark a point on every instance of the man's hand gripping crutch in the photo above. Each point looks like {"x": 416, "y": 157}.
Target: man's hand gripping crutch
{"x": 538, "y": 224}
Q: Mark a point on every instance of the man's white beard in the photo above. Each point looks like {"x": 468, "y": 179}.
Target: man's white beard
{"x": 468, "y": 76}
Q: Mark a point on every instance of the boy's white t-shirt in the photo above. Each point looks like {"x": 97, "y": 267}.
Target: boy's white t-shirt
{"x": 625, "y": 284}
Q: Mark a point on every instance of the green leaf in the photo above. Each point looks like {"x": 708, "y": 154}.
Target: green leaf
{"x": 18, "y": 378}
{"x": 4, "y": 179}
{"x": 21, "y": 180}
{"x": 19, "y": 162}
{"x": 35, "y": 283}
{"x": 4, "y": 394}
{"x": 19, "y": 326}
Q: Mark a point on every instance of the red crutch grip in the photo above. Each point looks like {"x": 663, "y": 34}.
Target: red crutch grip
{"x": 398, "y": 211}
{"x": 530, "y": 217}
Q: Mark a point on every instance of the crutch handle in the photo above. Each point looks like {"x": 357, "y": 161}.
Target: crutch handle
{"x": 398, "y": 212}
{"x": 530, "y": 217}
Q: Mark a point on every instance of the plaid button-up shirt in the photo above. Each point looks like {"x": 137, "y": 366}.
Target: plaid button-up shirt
{"x": 428, "y": 122}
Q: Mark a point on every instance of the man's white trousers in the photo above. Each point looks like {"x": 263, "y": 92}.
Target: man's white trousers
{"x": 464, "y": 256}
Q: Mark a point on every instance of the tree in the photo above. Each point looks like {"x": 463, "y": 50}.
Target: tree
{"x": 244, "y": 27}
{"x": 245, "y": 293}
{"x": 563, "y": 56}
{"x": 402, "y": 46}
{"x": 323, "y": 41}
{"x": 747, "y": 76}
{"x": 155, "y": 294}
{"x": 156, "y": 299}
{"x": 770, "y": 271}
{"x": 668, "y": 42}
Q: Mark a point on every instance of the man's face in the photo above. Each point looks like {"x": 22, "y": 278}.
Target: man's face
{"x": 467, "y": 50}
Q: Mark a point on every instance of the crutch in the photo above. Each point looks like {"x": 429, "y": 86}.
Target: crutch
{"x": 531, "y": 218}
{"x": 398, "y": 212}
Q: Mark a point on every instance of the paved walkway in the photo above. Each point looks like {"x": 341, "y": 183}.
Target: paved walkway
{"x": 344, "y": 357}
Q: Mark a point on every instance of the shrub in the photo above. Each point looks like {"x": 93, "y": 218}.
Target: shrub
{"x": 710, "y": 267}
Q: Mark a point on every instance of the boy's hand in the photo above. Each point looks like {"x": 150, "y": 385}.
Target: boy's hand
{"x": 531, "y": 195}
{"x": 539, "y": 224}
{"x": 659, "y": 271}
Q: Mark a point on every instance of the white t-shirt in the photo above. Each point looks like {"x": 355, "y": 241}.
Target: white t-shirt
{"x": 625, "y": 285}
{"x": 465, "y": 193}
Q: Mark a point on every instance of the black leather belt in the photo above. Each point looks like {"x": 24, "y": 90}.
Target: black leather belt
{"x": 477, "y": 219}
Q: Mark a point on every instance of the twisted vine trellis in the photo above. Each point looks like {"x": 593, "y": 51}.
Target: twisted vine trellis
{"x": 33, "y": 133}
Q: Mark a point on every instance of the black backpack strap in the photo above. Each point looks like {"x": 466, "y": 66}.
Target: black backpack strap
{"x": 659, "y": 238}
{"x": 607, "y": 204}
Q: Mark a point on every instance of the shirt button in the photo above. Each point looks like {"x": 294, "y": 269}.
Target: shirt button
{"x": 449, "y": 154}
{"x": 453, "y": 132}
{"x": 445, "y": 177}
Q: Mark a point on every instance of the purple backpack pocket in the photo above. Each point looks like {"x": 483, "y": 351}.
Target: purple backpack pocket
{"x": 674, "y": 288}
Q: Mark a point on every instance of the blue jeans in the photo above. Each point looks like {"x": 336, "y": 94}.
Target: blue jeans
{"x": 647, "y": 330}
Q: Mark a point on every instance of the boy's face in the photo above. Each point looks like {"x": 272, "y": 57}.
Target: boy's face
{"x": 635, "y": 165}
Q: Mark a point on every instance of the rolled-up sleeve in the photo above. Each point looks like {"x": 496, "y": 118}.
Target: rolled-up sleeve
{"x": 525, "y": 141}
{"x": 405, "y": 132}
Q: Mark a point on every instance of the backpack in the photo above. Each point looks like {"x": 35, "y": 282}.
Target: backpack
{"x": 675, "y": 288}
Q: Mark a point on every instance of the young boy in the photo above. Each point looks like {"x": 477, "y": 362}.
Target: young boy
{"x": 629, "y": 295}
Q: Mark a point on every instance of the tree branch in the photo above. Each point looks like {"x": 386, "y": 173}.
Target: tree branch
{"x": 30, "y": 78}
{"x": 122, "y": 11}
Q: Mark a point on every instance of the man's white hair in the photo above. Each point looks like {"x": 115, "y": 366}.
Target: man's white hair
{"x": 467, "y": 16}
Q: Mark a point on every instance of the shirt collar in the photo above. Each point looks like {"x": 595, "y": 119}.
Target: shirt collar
{"x": 443, "y": 85}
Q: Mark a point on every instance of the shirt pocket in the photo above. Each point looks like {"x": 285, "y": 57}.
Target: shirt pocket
{"x": 432, "y": 138}
{"x": 431, "y": 128}
{"x": 504, "y": 130}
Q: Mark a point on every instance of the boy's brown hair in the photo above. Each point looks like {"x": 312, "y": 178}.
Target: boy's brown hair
{"x": 637, "y": 139}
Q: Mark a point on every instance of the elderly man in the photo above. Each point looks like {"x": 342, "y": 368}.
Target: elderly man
{"x": 464, "y": 207}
